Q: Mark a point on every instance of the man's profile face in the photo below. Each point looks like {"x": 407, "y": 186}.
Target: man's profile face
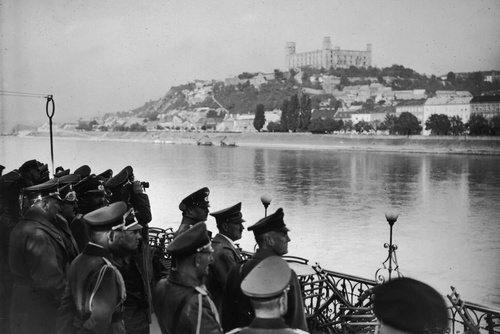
{"x": 68, "y": 210}
{"x": 281, "y": 240}
{"x": 234, "y": 231}
{"x": 199, "y": 213}
{"x": 52, "y": 206}
{"x": 129, "y": 240}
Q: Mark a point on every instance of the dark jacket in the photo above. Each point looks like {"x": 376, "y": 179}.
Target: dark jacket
{"x": 143, "y": 259}
{"x": 179, "y": 299}
{"x": 225, "y": 256}
{"x": 70, "y": 242}
{"x": 260, "y": 325}
{"x": 38, "y": 261}
{"x": 93, "y": 298}
{"x": 237, "y": 310}
{"x": 80, "y": 231}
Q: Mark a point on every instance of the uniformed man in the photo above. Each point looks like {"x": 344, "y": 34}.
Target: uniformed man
{"x": 94, "y": 296}
{"x": 38, "y": 261}
{"x": 405, "y": 305}
{"x": 271, "y": 235}
{"x": 135, "y": 264}
{"x": 194, "y": 209}
{"x": 182, "y": 303}
{"x": 67, "y": 212}
{"x": 226, "y": 254}
{"x": 91, "y": 196}
{"x": 84, "y": 171}
{"x": 267, "y": 285}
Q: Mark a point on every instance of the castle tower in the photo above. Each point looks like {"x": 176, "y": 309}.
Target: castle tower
{"x": 289, "y": 53}
{"x": 327, "y": 43}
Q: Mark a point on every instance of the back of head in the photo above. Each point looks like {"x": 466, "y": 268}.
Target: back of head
{"x": 410, "y": 306}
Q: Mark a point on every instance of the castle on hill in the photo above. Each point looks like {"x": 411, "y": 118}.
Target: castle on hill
{"x": 327, "y": 57}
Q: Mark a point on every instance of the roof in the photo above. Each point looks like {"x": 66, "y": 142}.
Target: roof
{"x": 443, "y": 100}
{"x": 323, "y": 113}
{"x": 485, "y": 99}
{"x": 419, "y": 102}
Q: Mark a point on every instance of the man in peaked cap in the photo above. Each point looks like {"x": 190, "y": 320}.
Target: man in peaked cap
{"x": 182, "y": 303}
{"x": 67, "y": 213}
{"x": 135, "y": 265}
{"x": 271, "y": 235}
{"x": 38, "y": 261}
{"x": 194, "y": 209}
{"x": 83, "y": 171}
{"x": 405, "y": 305}
{"x": 266, "y": 285}
{"x": 226, "y": 254}
{"x": 94, "y": 296}
{"x": 91, "y": 196}
{"x": 69, "y": 179}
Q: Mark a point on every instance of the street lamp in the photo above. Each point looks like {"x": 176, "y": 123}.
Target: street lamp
{"x": 266, "y": 200}
{"x": 391, "y": 217}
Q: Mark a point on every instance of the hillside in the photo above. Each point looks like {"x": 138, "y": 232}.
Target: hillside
{"x": 243, "y": 97}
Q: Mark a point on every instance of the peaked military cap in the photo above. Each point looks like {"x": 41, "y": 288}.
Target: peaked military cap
{"x": 229, "y": 215}
{"x": 30, "y": 164}
{"x": 69, "y": 179}
{"x": 61, "y": 173}
{"x": 116, "y": 216}
{"x": 67, "y": 193}
{"x": 90, "y": 184}
{"x": 118, "y": 180}
{"x": 42, "y": 190}
{"x": 411, "y": 306}
{"x": 107, "y": 174}
{"x": 10, "y": 186}
{"x": 267, "y": 279}
{"x": 194, "y": 240}
{"x": 198, "y": 198}
{"x": 83, "y": 171}
{"x": 272, "y": 222}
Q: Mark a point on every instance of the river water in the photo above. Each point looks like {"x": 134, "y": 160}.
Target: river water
{"x": 447, "y": 233}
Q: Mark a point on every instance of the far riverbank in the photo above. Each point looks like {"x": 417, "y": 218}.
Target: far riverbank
{"x": 351, "y": 142}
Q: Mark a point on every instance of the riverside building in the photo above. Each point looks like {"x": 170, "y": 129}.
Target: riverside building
{"x": 327, "y": 57}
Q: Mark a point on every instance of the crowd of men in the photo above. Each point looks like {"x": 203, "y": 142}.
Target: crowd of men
{"x": 75, "y": 258}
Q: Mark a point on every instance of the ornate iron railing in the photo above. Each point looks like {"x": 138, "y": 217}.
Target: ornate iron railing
{"x": 331, "y": 297}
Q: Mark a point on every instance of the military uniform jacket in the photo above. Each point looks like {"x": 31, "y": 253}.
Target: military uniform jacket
{"x": 237, "y": 310}
{"x": 182, "y": 305}
{"x": 225, "y": 256}
{"x": 70, "y": 242}
{"x": 263, "y": 326}
{"x": 38, "y": 261}
{"x": 94, "y": 295}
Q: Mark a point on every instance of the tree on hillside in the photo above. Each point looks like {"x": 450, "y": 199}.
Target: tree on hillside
{"x": 260, "y": 118}
{"x": 284, "y": 115}
{"x": 390, "y": 124}
{"x": 362, "y": 126}
{"x": 305, "y": 112}
{"x": 293, "y": 113}
{"x": 438, "y": 124}
{"x": 317, "y": 126}
{"x": 495, "y": 125}
{"x": 274, "y": 127}
{"x": 408, "y": 124}
{"x": 478, "y": 125}
{"x": 347, "y": 126}
{"x": 457, "y": 126}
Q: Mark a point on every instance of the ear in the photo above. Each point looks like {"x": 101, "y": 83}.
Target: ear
{"x": 283, "y": 301}
{"x": 196, "y": 261}
{"x": 111, "y": 236}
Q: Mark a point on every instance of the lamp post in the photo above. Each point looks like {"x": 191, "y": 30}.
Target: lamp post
{"x": 391, "y": 217}
{"x": 266, "y": 200}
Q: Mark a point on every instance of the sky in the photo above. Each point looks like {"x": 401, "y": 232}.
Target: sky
{"x": 96, "y": 57}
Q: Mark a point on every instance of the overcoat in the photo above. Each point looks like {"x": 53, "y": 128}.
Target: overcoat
{"x": 183, "y": 305}
{"x": 237, "y": 310}
{"x": 38, "y": 260}
{"x": 263, "y": 326}
{"x": 94, "y": 295}
{"x": 225, "y": 256}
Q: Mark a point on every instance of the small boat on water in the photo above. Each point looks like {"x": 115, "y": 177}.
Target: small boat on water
{"x": 202, "y": 142}
{"x": 225, "y": 144}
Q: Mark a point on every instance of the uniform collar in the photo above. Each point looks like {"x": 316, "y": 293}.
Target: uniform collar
{"x": 272, "y": 323}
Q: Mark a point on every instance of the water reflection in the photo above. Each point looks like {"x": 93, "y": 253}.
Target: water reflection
{"x": 448, "y": 232}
